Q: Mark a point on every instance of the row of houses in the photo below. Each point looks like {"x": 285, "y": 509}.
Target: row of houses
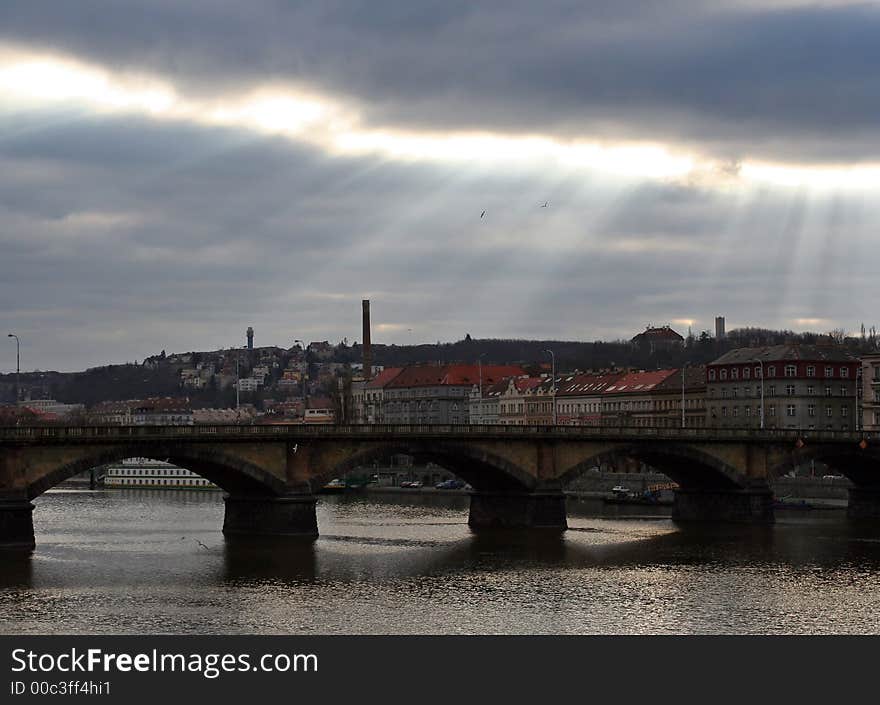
{"x": 165, "y": 411}
{"x": 784, "y": 386}
{"x": 818, "y": 387}
{"x": 508, "y": 395}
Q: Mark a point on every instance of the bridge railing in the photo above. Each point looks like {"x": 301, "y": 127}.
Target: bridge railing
{"x": 307, "y": 431}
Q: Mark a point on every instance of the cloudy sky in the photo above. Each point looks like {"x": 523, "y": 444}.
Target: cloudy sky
{"x": 172, "y": 171}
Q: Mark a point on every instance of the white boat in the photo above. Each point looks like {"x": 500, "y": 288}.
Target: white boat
{"x": 147, "y": 473}
{"x": 335, "y": 486}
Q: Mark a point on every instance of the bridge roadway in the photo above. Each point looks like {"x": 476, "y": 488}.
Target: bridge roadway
{"x": 271, "y": 473}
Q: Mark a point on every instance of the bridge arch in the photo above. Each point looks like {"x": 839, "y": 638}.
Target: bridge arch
{"x": 230, "y": 473}
{"x": 480, "y": 468}
{"x": 861, "y": 466}
{"x": 688, "y": 466}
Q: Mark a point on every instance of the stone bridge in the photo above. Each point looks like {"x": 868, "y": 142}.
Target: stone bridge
{"x": 271, "y": 473}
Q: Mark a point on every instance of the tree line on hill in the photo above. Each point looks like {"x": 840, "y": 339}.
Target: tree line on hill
{"x": 132, "y": 381}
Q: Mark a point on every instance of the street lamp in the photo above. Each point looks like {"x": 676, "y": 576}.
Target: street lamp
{"x": 683, "y": 370}
{"x": 553, "y": 388}
{"x": 480, "y": 366}
{"x": 17, "y": 365}
{"x": 761, "y": 363}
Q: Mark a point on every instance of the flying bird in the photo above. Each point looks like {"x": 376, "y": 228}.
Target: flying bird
{"x": 482, "y": 214}
{"x": 545, "y": 204}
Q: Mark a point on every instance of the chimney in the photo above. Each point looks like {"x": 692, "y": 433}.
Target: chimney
{"x": 368, "y": 353}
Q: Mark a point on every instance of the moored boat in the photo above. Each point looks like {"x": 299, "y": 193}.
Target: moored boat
{"x": 335, "y": 486}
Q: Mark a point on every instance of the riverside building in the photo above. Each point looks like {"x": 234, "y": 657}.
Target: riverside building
{"x": 428, "y": 394}
{"x": 803, "y": 387}
{"x": 871, "y": 392}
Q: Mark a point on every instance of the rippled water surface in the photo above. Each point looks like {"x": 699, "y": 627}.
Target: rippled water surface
{"x": 141, "y": 561}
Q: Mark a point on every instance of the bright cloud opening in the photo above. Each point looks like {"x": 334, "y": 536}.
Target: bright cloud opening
{"x": 337, "y": 129}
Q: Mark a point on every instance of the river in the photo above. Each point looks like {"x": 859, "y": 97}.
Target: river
{"x": 153, "y": 561}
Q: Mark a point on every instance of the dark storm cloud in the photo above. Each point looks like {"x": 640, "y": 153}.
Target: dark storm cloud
{"x": 791, "y": 82}
{"x": 122, "y": 236}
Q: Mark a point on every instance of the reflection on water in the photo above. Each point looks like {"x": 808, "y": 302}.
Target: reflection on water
{"x": 146, "y": 561}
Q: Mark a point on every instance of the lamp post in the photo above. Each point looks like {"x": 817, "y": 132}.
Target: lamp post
{"x": 761, "y": 363}
{"x": 683, "y": 370}
{"x": 17, "y": 365}
{"x": 480, "y": 366}
{"x": 553, "y": 388}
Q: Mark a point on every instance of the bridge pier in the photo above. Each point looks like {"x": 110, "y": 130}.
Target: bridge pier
{"x": 508, "y": 510}
{"x": 16, "y": 523}
{"x": 864, "y": 503}
{"x": 286, "y": 515}
{"x": 740, "y": 505}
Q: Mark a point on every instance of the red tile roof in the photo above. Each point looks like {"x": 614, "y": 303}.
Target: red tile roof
{"x": 526, "y": 384}
{"x": 384, "y": 377}
{"x": 453, "y": 375}
{"x": 638, "y": 382}
{"x": 580, "y": 384}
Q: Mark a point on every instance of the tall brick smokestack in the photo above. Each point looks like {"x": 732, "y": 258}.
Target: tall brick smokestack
{"x": 368, "y": 353}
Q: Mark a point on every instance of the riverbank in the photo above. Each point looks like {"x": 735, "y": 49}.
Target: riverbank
{"x": 819, "y": 492}
{"x": 792, "y": 499}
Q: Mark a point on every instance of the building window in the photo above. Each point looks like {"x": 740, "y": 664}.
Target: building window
{"x": 811, "y": 409}
{"x": 811, "y": 370}
{"x": 829, "y": 371}
{"x": 734, "y": 373}
{"x": 735, "y": 410}
{"x": 724, "y": 393}
{"x": 735, "y": 390}
{"x": 789, "y": 410}
{"x": 789, "y": 390}
{"x": 724, "y": 411}
{"x": 843, "y": 390}
{"x": 827, "y": 391}
{"x": 771, "y": 410}
{"x": 723, "y": 374}
{"x": 844, "y": 410}
{"x": 748, "y": 410}
{"x": 711, "y": 375}
{"x": 771, "y": 371}
{"x": 790, "y": 370}
{"x": 844, "y": 372}
{"x": 746, "y": 372}
{"x": 829, "y": 412}
{"x": 771, "y": 390}
{"x": 758, "y": 374}
{"x": 810, "y": 390}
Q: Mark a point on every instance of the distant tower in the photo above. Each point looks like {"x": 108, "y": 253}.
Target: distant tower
{"x": 719, "y": 327}
{"x": 368, "y": 353}
{"x": 250, "y": 337}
